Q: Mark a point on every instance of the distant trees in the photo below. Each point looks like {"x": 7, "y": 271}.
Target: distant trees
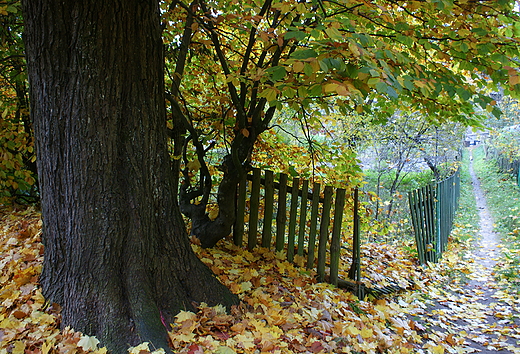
{"x": 17, "y": 156}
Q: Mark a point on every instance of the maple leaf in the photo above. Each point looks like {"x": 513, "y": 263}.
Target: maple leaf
{"x": 224, "y": 350}
{"x": 88, "y": 342}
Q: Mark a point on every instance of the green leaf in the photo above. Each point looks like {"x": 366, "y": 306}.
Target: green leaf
{"x": 298, "y": 35}
{"x": 315, "y": 90}
{"x": 373, "y": 81}
{"x": 304, "y": 54}
{"x": 277, "y": 72}
{"x": 269, "y": 94}
{"x": 308, "y": 70}
{"x": 323, "y": 65}
{"x": 334, "y": 33}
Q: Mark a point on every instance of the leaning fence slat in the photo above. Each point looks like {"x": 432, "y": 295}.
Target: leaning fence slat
{"x": 293, "y": 214}
{"x": 281, "y": 214}
{"x": 324, "y": 232}
{"x": 354, "y": 272}
{"x": 268, "y": 209}
{"x": 238, "y": 229}
{"x": 314, "y": 223}
{"x": 426, "y": 221}
{"x": 430, "y": 210}
{"x": 424, "y": 192}
{"x": 303, "y": 217}
{"x": 254, "y": 210}
{"x": 412, "y": 201}
{"x": 421, "y": 221}
{"x": 335, "y": 243}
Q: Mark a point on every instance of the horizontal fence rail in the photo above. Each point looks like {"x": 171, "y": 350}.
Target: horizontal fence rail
{"x": 432, "y": 210}
{"x": 304, "y": 220}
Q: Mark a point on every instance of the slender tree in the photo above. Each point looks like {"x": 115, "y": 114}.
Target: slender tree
{"x": 117, "y": 257}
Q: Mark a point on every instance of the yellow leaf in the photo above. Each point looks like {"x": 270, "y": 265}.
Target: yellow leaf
{"x": 269, "y": 94}
{"x": 246, "y": 286}
{"x": 342, "y": 90}
{"x": 333, "y": 33}
{"x": 438, "y": 349}
{"x": 354, "y": 49}
{"x": 185, "y": 315}
{"x": 246, "y": 340}
{"x": 298, "y": 67}
{"x": 193, "y": 165}
{"x": 245, "y": 132}
{"x": 46, "y": 347}
{"x": 330, "y": 87}
{"x": 367, "y": 333}
{"x": 213, "y": 213}
{"x": 19, "y": 347}
{"x": 224, "y": 350}
{"x": 352, "y": 330}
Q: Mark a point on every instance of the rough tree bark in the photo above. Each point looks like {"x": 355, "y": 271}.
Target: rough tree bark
{"x": 117, "y": 257}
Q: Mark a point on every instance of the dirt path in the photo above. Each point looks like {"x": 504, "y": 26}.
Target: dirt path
{"x": 476, "y": 309}
{"x": 494, "y": 329}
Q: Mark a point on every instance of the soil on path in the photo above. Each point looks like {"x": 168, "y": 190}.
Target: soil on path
{"x": 476, "y": 309}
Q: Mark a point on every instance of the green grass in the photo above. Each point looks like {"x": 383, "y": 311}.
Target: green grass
{"x": 502, "y": 195}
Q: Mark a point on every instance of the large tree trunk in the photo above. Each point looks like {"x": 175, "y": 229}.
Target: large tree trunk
{"x": 117, "y": 257}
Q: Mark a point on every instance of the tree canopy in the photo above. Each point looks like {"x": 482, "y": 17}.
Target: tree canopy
{"x": 232, "y": 67}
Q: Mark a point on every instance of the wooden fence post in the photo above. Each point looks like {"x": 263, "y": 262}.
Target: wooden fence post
{"x": 314, "y": 223}
{"x": 268, "y": 209}
{"x": 335, "y": 243}
{"x": 238, "y": 228}
{"x": 281, "y": 214}
{"x": 303, "y": 217}
{"x": 291, "y": 234}
{"x": 324, "y": 232}
{"x": 253, "y": 208}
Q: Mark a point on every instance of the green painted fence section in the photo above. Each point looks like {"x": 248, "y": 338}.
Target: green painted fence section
{"x": 296, "y": 219}
{"x": 432, "y": 210}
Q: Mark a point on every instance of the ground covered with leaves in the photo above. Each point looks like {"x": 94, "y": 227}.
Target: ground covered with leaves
{"x": 284, "y": 310}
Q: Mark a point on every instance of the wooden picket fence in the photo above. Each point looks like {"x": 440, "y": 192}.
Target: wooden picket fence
{"x": 295, "y": 218}
{"x": 432, "y": 210}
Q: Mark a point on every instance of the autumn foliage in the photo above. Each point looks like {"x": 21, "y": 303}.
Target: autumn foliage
{"x": 283, "y": 310}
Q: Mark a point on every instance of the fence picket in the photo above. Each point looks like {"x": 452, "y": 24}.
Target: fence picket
{"x": 412, "y": 201}
{"x": 314, "y": 224}
{"x": 335, "y": 243}
{"x": 268, "y": 209}
{"x": 254, "y": 209}
{"x": 293, "y": 214}
{"x": 324, "y": 232}
{"x": 303, "y": 217}
{"x": 432, "y": 210}
{"x": 281, "y": 214}
{"x": 238, "y": 229}
{"x": 312, "y": 209}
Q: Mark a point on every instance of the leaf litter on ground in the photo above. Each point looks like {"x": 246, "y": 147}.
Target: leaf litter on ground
{"x": 283, "y": 309}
